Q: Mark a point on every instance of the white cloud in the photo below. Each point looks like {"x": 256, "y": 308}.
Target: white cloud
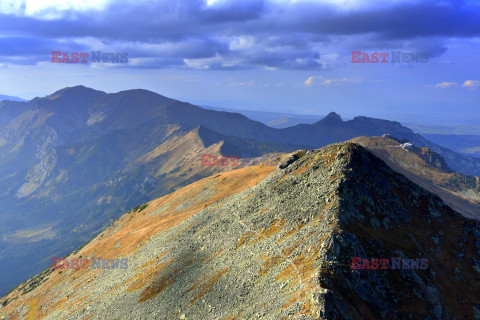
{"x": 328, "y": 60}
{"x": 445, "y": 85}
{"x": 339, "y": 81}
{"x": 214, "y": 2}
{"x": 248, "y": 83}
{"x": 310, "y": 80}
{"x": 49, "y": 9}
{"x": 242, "y": 43}
{"x": 471, "y": 84}
{"x": 270, "y": 68}
{"x": 11, "y": 6}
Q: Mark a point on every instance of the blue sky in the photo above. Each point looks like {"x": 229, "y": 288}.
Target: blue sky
{"x": 271, "y": 55}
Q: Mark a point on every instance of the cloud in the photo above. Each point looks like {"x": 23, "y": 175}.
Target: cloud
{"x": 250, "y": 83}
{"x": 233, "y": 35}
{"x": 471, "y": 84}
{"x": 49, "y": 9}
{"x": 311, "y": 80}
{"x": 445, "y": 85}
{"x": 340, "y": 81}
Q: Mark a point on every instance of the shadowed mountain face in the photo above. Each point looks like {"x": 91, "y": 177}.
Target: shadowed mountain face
{"x": 429, "y": 170}
{"x": 282, "y": 243}
{"x": 73, "y": 161}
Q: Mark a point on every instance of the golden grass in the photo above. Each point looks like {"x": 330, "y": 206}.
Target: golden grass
{"x": 209, "y": 285}
{"x": 131, "y": 231}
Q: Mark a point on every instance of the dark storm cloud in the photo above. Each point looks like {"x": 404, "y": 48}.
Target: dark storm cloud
{"x": 279, "y": 36}
{"x": 424, "y": 19}
{"x": 30, "y": 51}
{"x": 15, "y": 46}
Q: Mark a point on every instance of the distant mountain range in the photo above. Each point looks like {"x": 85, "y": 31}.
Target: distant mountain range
{"x": 332, "y": 233}
{"x": 277, "y": 120}
{"x": 466, "y": 144}
{"x": 11, "y": 98}
{"x": 75, "y": 160}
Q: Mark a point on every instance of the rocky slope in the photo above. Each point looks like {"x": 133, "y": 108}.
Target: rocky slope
{"x": 429, "y": 170}
{"x": 266, "y": 243}
{"x": 75, "y": 190}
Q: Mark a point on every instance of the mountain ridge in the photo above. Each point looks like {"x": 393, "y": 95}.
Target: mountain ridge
{"x": 148, "y": 105}
{"x": 261, "y": 242}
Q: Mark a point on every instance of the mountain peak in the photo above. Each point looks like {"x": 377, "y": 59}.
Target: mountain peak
{"x": 141, "y": 92}
{"x": 73, "y": 92}
{"x": 333, "y": 116}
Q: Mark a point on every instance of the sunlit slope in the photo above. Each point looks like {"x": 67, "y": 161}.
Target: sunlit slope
{"x": 273, "y": 243}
